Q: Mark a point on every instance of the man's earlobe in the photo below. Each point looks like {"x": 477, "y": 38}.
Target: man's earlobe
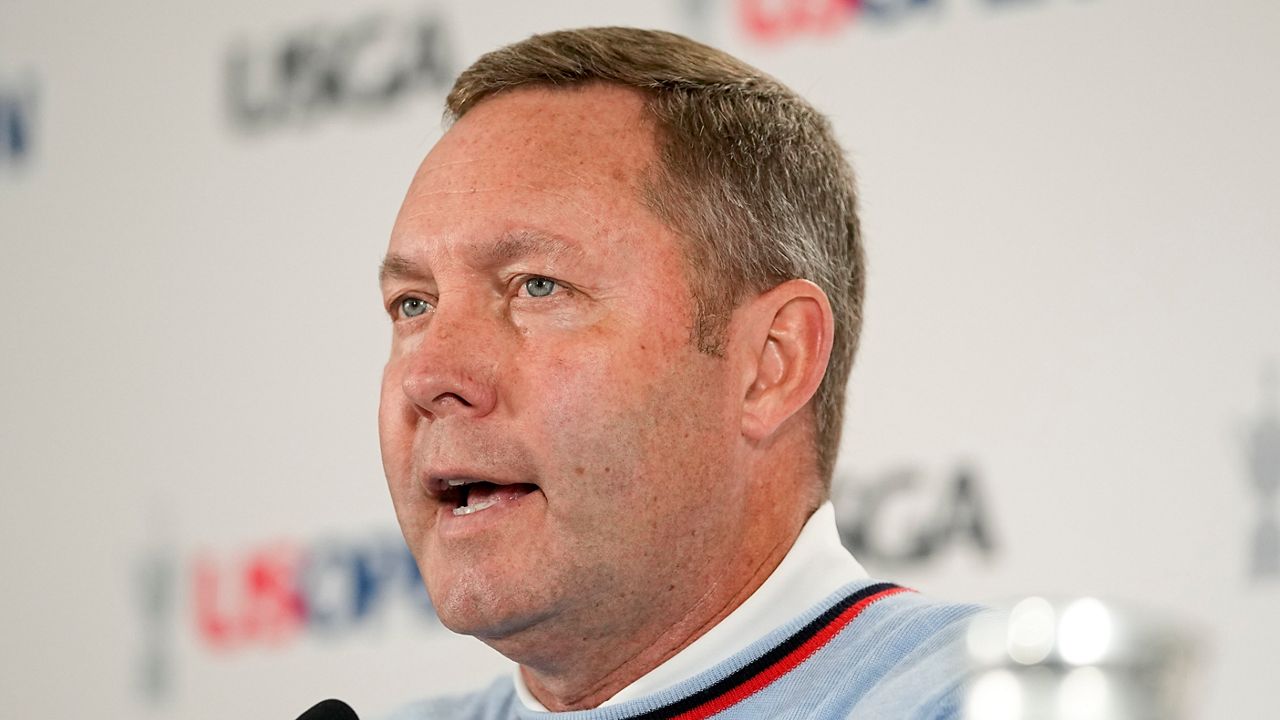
{"x": 790, "y": 329}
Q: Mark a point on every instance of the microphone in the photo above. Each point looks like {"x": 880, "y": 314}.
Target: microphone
{"x": 330, "y": 709}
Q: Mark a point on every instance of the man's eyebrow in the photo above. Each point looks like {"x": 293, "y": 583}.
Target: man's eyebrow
{"x": 509, "y": 247}
{"x": 397, "y": 267}
{"x": 520, "y": 244}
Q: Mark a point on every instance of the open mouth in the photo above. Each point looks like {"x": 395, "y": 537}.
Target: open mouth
{"x": 472, "y": 496}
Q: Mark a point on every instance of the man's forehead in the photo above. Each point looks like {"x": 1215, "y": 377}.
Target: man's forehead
{"x": 604, "y": 105}
{"x": 487, "y": 174}
{"x": 571, "y": 135}
{"x": 553, "y": 173}
{"x": 485, "y": 211}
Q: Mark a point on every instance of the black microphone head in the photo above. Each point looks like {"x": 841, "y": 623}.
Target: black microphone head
{"x": 329, "y": 710}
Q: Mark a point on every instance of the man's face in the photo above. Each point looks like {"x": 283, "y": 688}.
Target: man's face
{"x": 559, "y": 453}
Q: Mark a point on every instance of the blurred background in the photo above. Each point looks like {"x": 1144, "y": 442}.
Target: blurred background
{"x": 1069, "y": 381}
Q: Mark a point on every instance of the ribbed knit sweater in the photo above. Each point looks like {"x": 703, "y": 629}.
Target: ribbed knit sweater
{"x": 871, "y": 650}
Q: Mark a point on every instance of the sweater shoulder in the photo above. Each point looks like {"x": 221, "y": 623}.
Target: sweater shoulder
{"x": 910, "y": 620}
{"x": 914, "y": 659}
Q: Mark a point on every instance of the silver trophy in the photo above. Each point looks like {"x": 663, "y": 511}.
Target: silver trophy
{"x": 1078, "y": 659}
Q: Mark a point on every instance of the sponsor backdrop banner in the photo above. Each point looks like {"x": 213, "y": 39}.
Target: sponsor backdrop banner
{"x": 1069, "y": 383}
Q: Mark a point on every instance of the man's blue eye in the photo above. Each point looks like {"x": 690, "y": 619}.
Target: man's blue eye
{"x": 413, "y": 307}
{"x": 539, "y": 286}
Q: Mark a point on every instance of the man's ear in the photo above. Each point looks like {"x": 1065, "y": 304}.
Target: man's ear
{"x": 788, "y": 336}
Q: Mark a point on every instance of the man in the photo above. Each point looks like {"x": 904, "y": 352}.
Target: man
{"x": 625, "y": 290}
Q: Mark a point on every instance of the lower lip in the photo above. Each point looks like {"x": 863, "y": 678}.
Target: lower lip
{"x": 449, "y": 525}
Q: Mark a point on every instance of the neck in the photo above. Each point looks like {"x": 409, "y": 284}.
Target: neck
{"x": 591, "y": 656}
{"x": 597, "y": 674}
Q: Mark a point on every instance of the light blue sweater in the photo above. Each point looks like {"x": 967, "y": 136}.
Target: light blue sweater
{"x": 871, "y": 650}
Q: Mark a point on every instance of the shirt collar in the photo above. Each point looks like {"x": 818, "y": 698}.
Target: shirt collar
{"x": 816, "y": 566}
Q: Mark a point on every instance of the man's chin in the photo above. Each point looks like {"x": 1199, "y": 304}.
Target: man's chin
{"x": 522, "y": 638}
{"x": 470, "y": 608}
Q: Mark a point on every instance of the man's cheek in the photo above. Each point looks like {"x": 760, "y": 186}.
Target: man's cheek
{"x": 589, "y": 397}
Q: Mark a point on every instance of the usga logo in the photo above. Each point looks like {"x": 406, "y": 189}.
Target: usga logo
{"x": 366, "y": 64}
{"x": 909, "y": 517}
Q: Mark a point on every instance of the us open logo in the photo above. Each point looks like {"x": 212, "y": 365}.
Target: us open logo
{"x": 784, "y": 20}
{"x": 268, "y": 596}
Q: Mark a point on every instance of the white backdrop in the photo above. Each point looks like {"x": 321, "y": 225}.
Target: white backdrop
{"x": 1074, "y": 300}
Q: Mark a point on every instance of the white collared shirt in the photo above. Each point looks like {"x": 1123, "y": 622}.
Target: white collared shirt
{"x": 816, "y": 566}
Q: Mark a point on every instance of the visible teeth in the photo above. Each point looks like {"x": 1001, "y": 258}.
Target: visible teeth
{"x": 482, "y": 505}
{"x": 457, "y": 483}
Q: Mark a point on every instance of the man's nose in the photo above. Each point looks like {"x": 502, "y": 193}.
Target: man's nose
{"x": 453, "y": 370}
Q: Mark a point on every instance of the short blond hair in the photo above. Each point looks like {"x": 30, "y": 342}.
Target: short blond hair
{"x": 748, "y": 173}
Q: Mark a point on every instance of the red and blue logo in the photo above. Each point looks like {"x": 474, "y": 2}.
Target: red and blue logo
{"x": 779, "y": 20}
{"x": 270, "y": 596}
